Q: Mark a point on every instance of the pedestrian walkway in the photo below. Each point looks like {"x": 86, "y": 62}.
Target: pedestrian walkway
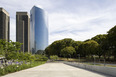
{"x": 55, "y": 70}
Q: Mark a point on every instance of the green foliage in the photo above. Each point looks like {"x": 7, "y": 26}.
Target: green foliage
{"x": 3, "y": 47}
{"x": 8, "y": 49}
{"x": 68, "y": 51}
{"x": 14, "y": 68}
{"x": 54, "y": 57}
{"x": 112, "y": 35}
{"x": 56, "y": 47}
{"x": 112, "y": 40}
{"x": 99, "y": 45}
{"x": 99, "y": 38}
{"x": 12, "y": 55}
{"x": 41, "y": 58}
{"x": 76, "y": 45}
{"x": 91, "y": 47}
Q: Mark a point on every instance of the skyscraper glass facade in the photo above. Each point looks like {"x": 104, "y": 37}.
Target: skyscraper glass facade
{"x": 38, "y": 30}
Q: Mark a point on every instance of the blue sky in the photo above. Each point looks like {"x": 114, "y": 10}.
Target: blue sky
{"x": 76, "y": 19}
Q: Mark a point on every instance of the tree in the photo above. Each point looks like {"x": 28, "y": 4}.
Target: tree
{"x": 101, "y": 39}
{"x": 76, "y": 45}
{"x": 12, "y": 56}
{"x": 67, "y": 42}
{"x": 68, "y": 51}
{"x": 88, "y": 48}
{"x": 17, "y": 45}
{"x": 56, "y": 47}
{"x": 4, "y": 47}
{"x": 11, "y": 50}
{"x": 112, "y": 40}
{"x": 92, "y": 47}
{"x": 82, "y": 49}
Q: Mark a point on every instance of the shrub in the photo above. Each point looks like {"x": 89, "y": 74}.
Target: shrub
{"x": 41, "y": 58}
{"x": 54, "y": 57}
{"x": 14, "y": 68}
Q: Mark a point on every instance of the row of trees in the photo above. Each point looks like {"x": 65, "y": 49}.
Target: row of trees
{"x": 100, "y": 45}
{"x": 61, "y": 48}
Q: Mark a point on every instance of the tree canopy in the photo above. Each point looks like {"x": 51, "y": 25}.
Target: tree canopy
{"x": 99, "y": 45}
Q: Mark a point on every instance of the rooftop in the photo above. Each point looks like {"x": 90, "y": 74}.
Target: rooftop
{"x": 22, "y": 13}
{"x": 3, "y": 10}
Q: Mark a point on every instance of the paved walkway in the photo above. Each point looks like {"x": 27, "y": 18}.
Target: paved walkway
{"x": 54, "y": 70}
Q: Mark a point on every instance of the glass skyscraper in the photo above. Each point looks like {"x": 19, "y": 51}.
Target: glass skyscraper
{"x": 38, "y": 30}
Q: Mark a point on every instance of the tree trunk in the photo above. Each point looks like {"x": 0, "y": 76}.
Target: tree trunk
{"x": 99, "y": 58}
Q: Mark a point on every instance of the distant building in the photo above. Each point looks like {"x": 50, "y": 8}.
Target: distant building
{"x": 4, "y": 25}
{"x": 23, "y": 30}
{"x": 38, "y": 30}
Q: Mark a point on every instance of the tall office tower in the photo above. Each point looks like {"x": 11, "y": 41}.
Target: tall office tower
{"x": 23, "y": 30}
{"x": 38, "y": 30}
{"x": 4, "y": 24}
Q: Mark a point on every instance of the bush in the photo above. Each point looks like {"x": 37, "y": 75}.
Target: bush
{"x": 54, "y": 57}
{"x": 41, "y": 58}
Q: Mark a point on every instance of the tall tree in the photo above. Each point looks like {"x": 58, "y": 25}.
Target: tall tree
{"x": 56, "y": 47}
{"x": 101, "y": 39}
{"x": 112, "y": 40}
{"x": 68, "y": 51}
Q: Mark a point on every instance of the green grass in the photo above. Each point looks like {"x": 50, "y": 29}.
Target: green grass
{"x": 71, "y": 59}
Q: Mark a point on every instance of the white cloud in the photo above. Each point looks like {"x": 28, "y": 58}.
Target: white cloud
{"x": 12, "y": 29}
{"x": 79, "y": 27}
{"x": 76, "y": 19}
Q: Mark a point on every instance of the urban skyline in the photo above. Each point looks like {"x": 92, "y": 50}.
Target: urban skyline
{"x": 31, "y": 30}
{"x": 63, "y": 38}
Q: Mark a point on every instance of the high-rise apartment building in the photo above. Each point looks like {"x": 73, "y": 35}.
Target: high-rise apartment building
{"x": 4, "y": 25}
{"x": 38, "y": 30}
{"x": 23, "y": 30}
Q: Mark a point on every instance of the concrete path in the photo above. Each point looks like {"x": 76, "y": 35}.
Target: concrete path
{"x": 55, "y": 70}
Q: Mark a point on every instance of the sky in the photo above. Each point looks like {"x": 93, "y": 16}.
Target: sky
{"x": 76, "y": 19}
